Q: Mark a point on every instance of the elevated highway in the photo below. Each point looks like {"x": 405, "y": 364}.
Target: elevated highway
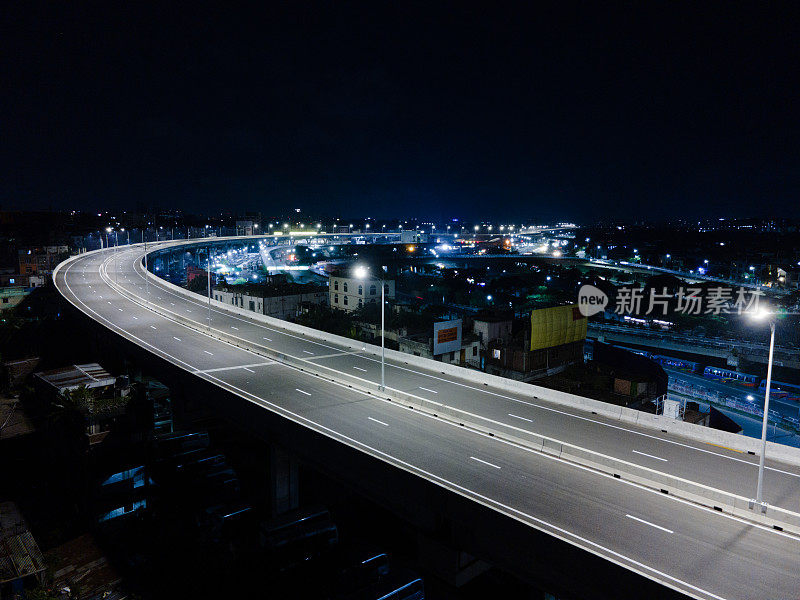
{"x": 568, "y": 468}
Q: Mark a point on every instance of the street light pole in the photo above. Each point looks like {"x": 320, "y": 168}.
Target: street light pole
{"x": 361, "y": 273}
{"x": 383, "y": 334}
{"x": 208, "y": 267}
{"x": 116, "y": 270}
{"x": 760, "y": 487}
{"x": 146, "y": 278}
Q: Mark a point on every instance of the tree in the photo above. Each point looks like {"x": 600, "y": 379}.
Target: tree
{"x": 81, "y": 397}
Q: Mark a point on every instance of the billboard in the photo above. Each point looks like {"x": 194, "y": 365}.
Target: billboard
{"x": 446, "y": 336}
{"x": 557, "y": 326}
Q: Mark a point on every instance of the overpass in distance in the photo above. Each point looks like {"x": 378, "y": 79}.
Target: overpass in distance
{"x": 531, "y": 457}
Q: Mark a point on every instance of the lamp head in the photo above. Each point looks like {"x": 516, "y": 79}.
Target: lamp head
{"x": 760, "y": 314}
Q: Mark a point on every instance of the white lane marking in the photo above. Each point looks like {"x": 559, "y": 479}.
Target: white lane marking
{"x": 209, "y": 353}
{"x": 360, "y": 369}
{"x": 307, "y": 352}
{"x": 518, "y": 417}
{"x": 650, "y": 456}
{"x": 376, "y": 420}
{"x": 137, "y": 318}
{"x": 649, "y": 523}
{"x": 176, "y": 338}
{"x": 261, "y": 364}
{"x": 109, "y": 301}
{"x": 269, "y": 340}
{"x": 427, "y": 390}
{"x": 152, "y": 326}
{"x": 301, "y": 391}
{"x": 246, "y": 369}
{"x": 484, "y": 462}
{"x": 99, "y": 296}
{"x": 172, "y": 303}
{"x": 188, "y": 310}
{"x": 120, "y": 310}
{"x": 236, "y": 328}
{"x": 335, "y": 354}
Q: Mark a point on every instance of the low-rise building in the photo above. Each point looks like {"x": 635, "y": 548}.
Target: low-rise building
{"x": 246, "y": 227}
{"x": 422, "y": 345}
{"x": 552, "y": 340}
{"x": 351, "y": 293}
{"x": 22, "y": 565}
{"x": 42, "y": 259}
{"x": 788, "y": 277}
{"x": 281, "y": 301}
{"x": 12, "y": 296}
{"x": 93, "y": 391}
{"x": 413, "y": 236}
{"x": 492, "y": 328}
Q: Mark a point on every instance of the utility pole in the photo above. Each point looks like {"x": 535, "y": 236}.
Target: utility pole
{"x": 208, "y": 266}
{"x": 765, "y": 423}
{"x": 116, "y": 269}
{"x": 383, "y": 332}
{"x": 146, "y": 278}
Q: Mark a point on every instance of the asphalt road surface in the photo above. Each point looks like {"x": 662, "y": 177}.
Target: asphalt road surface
{"x": 695, "y": 550}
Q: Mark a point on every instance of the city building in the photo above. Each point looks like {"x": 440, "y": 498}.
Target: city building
{"x": 492, "y": 328}
{"x": 43, "y": 259}
{"x": 12, "y": 296}
{"x": 22, "y": 565}
{"x": 553, "y": 340}
{"x": 412, "y": 236}
{"x": 246, "y": 227}
{"x": 351, "y": 293}
{"x": 93, "y": 391}
{"x": 421, "y": 344}
{"x": 21, "y": 281}
{"x": 788, "y": 278}
{"x": 282, "y": 300}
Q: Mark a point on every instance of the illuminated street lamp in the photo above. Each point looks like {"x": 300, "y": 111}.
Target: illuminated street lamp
{"x": 361, "y": 272}
{"x": 761, "y": 315}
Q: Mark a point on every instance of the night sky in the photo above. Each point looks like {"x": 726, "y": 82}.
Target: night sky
{"x": 566, "y": 112}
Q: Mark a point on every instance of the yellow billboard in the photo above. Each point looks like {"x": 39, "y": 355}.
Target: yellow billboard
{"x": 557, "y": 326}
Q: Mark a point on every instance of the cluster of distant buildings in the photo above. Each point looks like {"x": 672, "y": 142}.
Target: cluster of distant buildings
{"x": 494, "y": 342}
{"x": 35, "y": 267}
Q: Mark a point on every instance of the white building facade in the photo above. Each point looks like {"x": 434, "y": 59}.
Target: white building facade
{"x": 280, "y": 307}
{"x": 349, "y": 293}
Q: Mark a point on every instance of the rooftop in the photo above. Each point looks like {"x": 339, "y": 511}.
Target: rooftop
{"x": 19, "y": 553}
{"x": 13, "y": 421}
{"x": 91, "y": 375}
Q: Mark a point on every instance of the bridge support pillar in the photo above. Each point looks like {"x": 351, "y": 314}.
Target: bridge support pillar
{"x": 284, "y": 484}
